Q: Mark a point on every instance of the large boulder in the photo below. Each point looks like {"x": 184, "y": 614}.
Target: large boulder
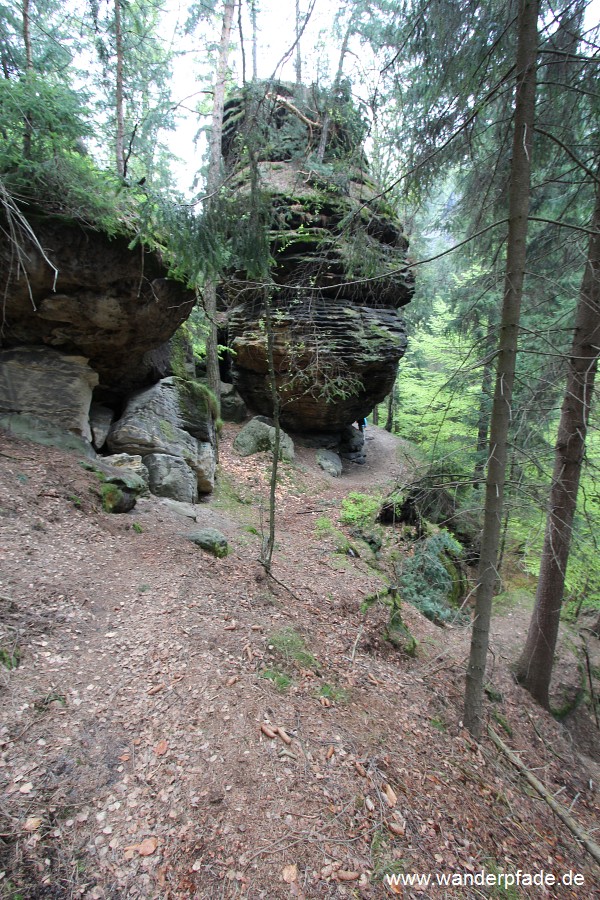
{"x": 172, "y": 418}
{"x": 259, "y": 435}
{"x": 329, "y": 462}
{"x": 100, "y": 299}
{"x": 43, "y": 384}
{"x": 340, "y": 266}
{"x": 171, "y": 476}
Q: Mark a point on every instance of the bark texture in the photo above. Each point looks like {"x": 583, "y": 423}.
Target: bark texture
{"x": 519, "y": 193}
{"x": 534, "y": 669}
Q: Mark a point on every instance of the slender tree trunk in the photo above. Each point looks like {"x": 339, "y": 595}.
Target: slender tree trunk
{"x": 483, "y": 423}
{"x": 334, "y": 91}
{"x": 254, "y": 40}
{"x": 389, "y": 425}
{"x": 119, "y": 106}
{"x": 298, "y": 49}
{"x": 519, "y": 192}
{"x": 28, "y": 128}
{"x": 213, "y": 180}
{"x": 375, "y": 415}
{"x": 534, "y": 669}
{"x": 269, "y": 542}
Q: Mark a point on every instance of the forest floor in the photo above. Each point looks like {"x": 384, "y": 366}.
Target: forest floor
{"x": 136, "y": 757}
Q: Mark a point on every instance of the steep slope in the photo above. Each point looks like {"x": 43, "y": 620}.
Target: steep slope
{"x": 133, "y": 759}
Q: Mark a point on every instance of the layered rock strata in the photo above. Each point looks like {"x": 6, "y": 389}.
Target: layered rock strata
{"x": 339, "y": 274}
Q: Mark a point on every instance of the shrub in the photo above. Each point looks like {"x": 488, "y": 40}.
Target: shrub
{"x": 426, "y": 578}
{"x": 359, "y": 509}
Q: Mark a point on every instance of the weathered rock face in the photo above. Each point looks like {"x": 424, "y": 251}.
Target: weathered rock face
{"x": 46, "y": 385}
{"x": 107, "y": 302}
{"x": 172, "y": 419}
{"x": 340, "y": 275}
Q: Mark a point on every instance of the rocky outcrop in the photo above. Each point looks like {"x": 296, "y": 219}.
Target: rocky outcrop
{"x": 233, "y": 408}
{"x": 102, "y": 300}
{"x": 170, "y": 425}
{"x": 340, "y": 269}
{"x": 43, "y": 384}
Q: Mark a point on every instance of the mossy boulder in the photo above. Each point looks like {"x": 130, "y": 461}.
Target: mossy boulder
{"x": 116, "y": 498}
{"x": 339, "y": 262}
{"x": 211, "y": 540}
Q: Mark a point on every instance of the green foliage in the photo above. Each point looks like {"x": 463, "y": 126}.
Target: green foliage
{"x": 424, "y": 578}
{"x": 359, "y": 509}
{"x": 111, "y": 496}
{"x": 437, "y": 405}
{"x": 137, "y": 528}
{"x": 332, "y": 693}
{"x": 281, "y": 681}
{"x": 10, "y": 657}
{"x": 323, "y": 527}
{"x": 292, "y": 647}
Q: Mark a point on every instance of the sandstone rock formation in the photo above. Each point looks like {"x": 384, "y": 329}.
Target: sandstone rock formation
{"x": 46, "y": 385}
{"x": 170, "y": 426}
{"x": 339, "y": 274}
{"x": 104, "y": 301}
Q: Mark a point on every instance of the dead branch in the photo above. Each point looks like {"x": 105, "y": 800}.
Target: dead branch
{"x": 278, "y": 98}
{"x": 592, "y": 848}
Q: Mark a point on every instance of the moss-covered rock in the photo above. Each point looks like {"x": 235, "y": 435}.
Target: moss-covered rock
{"x": 211, "y": 540}
{"x": 339, "y": 261}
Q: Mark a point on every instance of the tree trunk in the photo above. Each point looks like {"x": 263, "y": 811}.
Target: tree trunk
{"x": 519, "y": 192}
{"x": 389, "y": 425}
{"x": 254, "y": 40}
{"x": 334, "y": 91}
{"x": 28, "y": 128}
{"x": 534, "y": 669}
{"x": 375, "y": 415}
{"x": 213, "y": 180}
{"x": 268, "y": 544}
{"x": 483, "y": 423}
{"x": 119, "y": 112}
{"x": 298, "y": 50}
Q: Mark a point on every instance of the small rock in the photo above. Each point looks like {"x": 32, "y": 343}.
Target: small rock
{"x": 211, "y": 540}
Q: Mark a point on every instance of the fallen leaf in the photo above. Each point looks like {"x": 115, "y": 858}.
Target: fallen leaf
{"x": 330, "y": 752}
{"x": 33, "y": 823}
{"x": 390, "y": 795}
{"x": 290, "y": 874}
{"x": 231, "y": 681}
{"x": 155, "y": 689}
{"x": 372, "y": 678}
{"x": 369, "y": 804}
{"x": 145, "y": 848}
{"x": 161, "y": 748}
{"x": 360, "y": 769}
{"x": 26, "y": 788}
{"x": 125, "y": 757}
{"x": 396, "y": 828}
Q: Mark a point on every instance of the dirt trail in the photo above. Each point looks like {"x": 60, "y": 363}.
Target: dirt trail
{"x": 133, "y": 763}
